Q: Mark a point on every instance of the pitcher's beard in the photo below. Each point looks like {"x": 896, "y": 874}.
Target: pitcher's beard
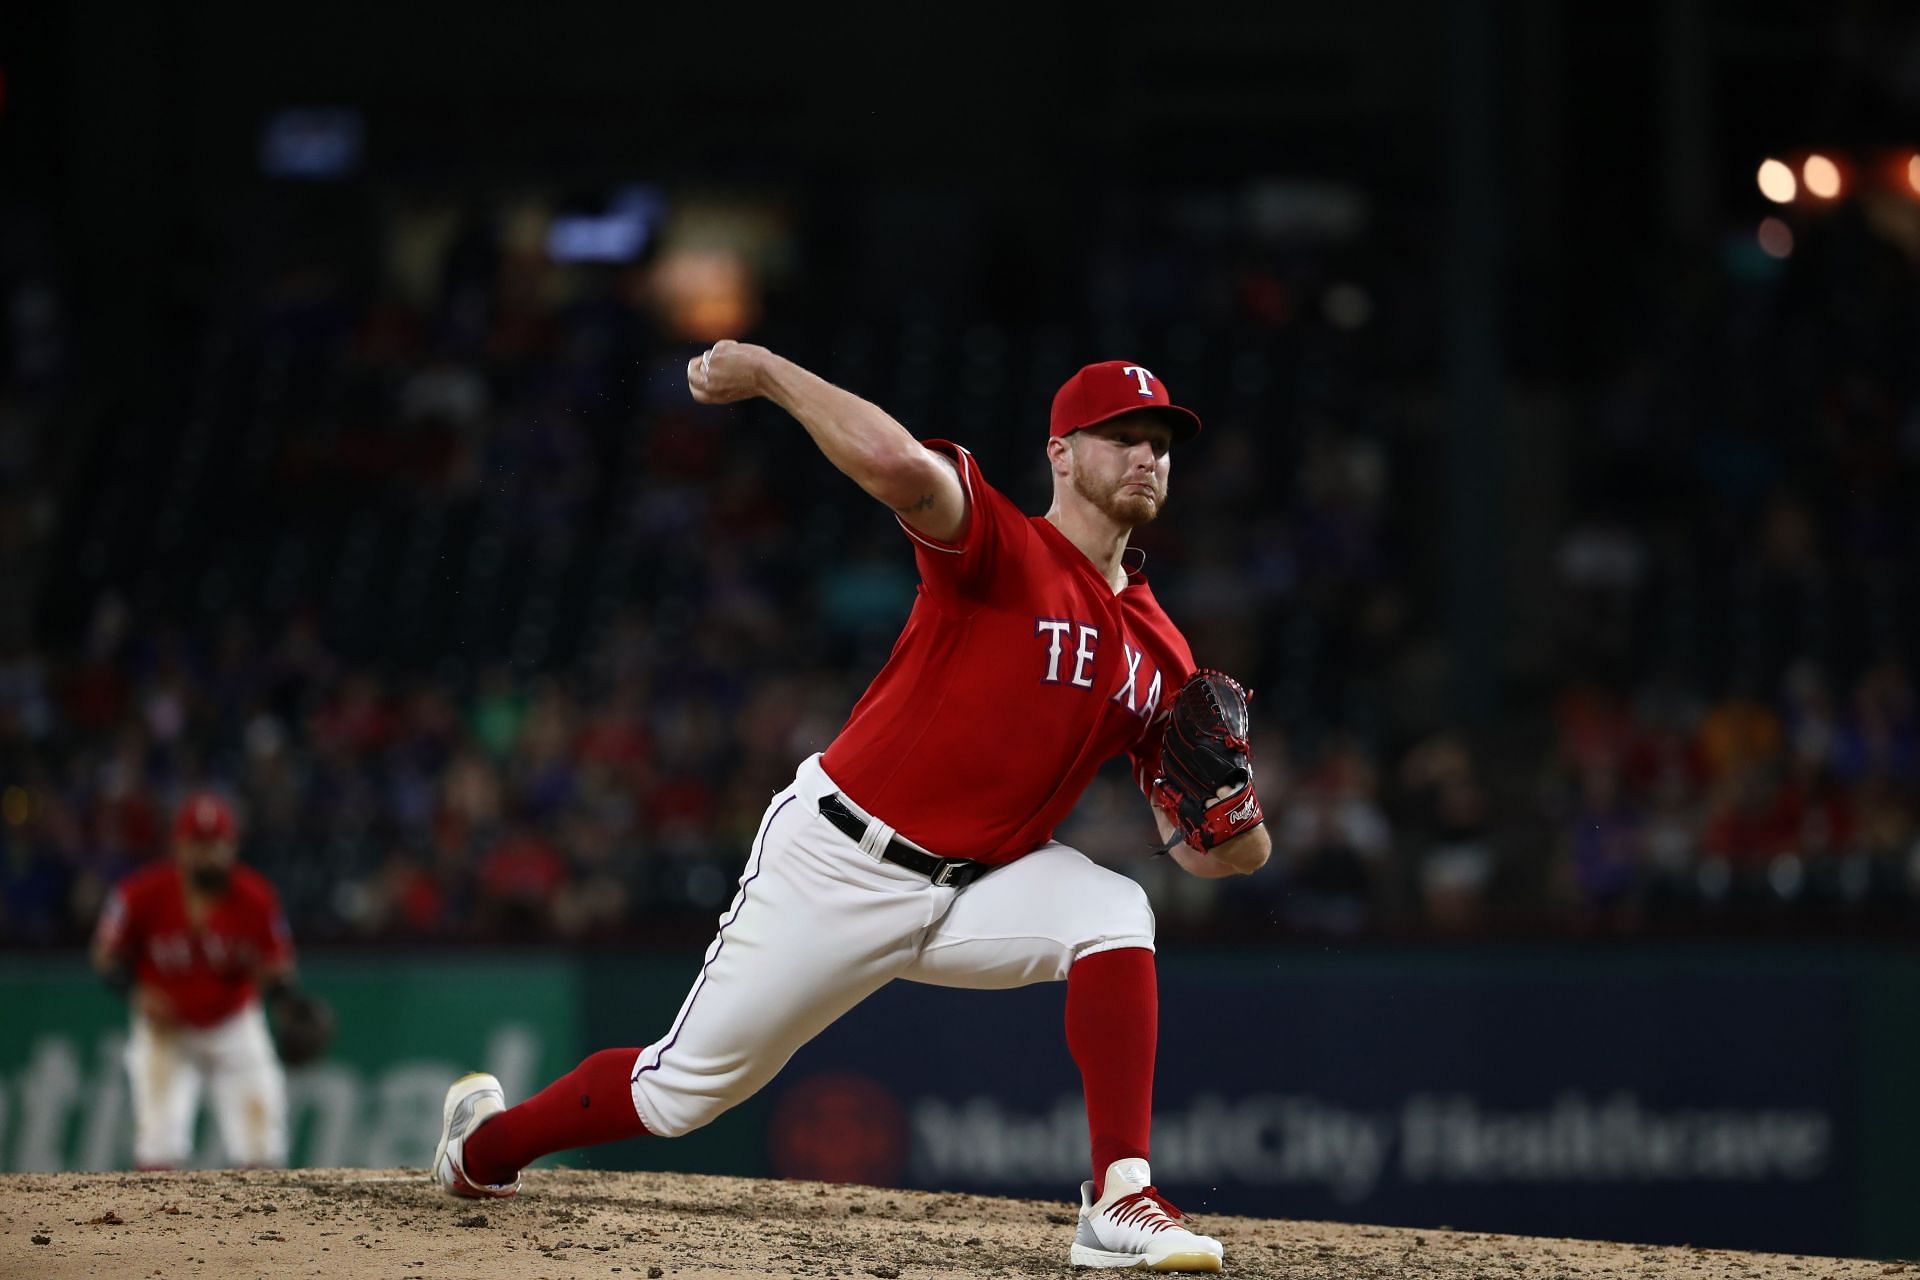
{"x": 1126, "y": 507}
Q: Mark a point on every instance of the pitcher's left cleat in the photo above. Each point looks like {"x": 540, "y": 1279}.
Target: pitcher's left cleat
{"x": 1132, "y": 1226}
{"x": 471, "y": 1099}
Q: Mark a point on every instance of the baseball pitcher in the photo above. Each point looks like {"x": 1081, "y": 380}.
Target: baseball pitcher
{"x": 920, "y": 844}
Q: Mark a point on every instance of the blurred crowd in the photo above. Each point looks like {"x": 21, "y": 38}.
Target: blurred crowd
{"x": 1803, "y": 797}
{"x": 1735, "y": 716}
{"x": 493, "y": 635}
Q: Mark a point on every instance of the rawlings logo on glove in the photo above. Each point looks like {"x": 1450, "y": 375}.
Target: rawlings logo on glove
{"x": 1206, "y": 767}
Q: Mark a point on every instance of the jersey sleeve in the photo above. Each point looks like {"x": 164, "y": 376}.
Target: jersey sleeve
{"x": 1143, "y": 757}
{"x": 962, "y": 567}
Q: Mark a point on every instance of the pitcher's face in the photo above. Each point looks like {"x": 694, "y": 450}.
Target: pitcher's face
{"x": 1120, "y": 467}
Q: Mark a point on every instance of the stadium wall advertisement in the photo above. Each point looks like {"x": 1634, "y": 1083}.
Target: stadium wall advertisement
{"x": 1760, "y": 1099}
{"x": 406, "y": 1028}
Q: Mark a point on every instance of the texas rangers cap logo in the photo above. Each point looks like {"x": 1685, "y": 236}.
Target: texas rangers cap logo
{"x": 1104, "y": 391}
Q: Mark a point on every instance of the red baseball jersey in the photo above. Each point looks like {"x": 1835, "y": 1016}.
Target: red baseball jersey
{"x": 1019, "y": 673}
{"x": 206, "y": 971}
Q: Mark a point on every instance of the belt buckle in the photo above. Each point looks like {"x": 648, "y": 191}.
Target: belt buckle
{"x": 944, "y": 876}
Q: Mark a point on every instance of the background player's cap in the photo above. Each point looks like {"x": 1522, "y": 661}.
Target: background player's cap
{"x": 1113, "y": 387}
{"x": 204, "y": 815}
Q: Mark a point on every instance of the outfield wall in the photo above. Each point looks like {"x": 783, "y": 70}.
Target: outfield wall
{"x": 1755, "y": 1098}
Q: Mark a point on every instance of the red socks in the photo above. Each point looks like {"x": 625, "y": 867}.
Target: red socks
{"x": 1113, "y": 1028}
{"x": 589, "y": 1105}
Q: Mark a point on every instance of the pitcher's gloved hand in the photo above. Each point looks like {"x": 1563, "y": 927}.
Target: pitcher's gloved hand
{"x": 1206, "y": 767}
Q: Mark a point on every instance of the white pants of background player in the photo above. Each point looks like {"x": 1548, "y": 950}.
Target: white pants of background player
{"x": 234, "y": 1061}
{"x": 821, "y": 922}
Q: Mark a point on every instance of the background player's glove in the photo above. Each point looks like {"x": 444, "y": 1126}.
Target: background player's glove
{"x": 1206, "y": 767}
{"x": 302, "y": 1024}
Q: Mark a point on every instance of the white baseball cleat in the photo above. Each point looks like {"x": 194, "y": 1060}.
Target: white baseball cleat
{"x": 470, "y": 1100}
{"x": 1131, "y": 1226}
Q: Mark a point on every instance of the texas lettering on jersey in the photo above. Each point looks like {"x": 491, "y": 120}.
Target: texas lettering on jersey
{"x": 178, "y": 952}
{"x": 1146, "y": 706}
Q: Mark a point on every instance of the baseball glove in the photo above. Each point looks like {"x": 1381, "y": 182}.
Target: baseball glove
{"x": 302, "y": 1025}
{"x": 1206, "y": 768}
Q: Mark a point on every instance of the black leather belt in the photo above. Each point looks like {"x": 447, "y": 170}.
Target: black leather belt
{"x": 956, "y": 873}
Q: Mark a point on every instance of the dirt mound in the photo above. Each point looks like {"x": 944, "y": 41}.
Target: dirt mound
{"x": 357, "y": 1222}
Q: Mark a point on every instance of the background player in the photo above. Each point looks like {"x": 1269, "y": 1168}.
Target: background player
{"x": 919, "y": 845}
{"x": 193, "y": 941}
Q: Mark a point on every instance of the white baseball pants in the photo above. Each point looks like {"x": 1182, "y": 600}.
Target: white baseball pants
{"x": 235, "y": 1062}
{"x": 820, "y": 922}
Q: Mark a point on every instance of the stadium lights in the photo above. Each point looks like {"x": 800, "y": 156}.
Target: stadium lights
{"x": 1821, "y": 175}
{"x": 1776, "y": 181}
{"x": 1776, "y": 238}
{"x": 1810, "y": 180}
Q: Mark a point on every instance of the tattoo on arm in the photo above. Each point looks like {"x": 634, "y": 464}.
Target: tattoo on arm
{"x": 923, "y": 503}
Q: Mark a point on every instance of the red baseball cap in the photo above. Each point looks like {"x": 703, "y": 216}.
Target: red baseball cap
{"x": 1104, "y": 391}
{"x": 204, "y": 815}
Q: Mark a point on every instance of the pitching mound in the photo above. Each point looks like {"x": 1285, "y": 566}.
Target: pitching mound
{"x": 356, "y": 1222}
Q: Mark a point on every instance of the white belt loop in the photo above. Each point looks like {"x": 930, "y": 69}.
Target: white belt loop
{"x": 874, "y": 843}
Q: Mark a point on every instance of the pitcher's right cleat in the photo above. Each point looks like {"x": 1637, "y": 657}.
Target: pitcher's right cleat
{"x": 1132, "y": 1226}
{"x": 471, "y": 1099}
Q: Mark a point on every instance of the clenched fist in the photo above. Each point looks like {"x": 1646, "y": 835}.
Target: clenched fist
{"x": 726, "y": 372}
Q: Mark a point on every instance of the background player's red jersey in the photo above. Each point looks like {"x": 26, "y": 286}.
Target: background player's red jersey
{"x": 207, "y": 971}
{"x": 1019, "y": 673}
